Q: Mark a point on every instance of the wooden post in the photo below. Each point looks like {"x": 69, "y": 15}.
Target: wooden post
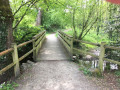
{"x": 71, "y": 47}
{"x": 34, "y": 52}
{"x": 15, "y": 60}
{"x": 101, "y": 56}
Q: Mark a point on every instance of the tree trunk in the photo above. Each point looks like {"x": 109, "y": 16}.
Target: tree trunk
{"x": 38, "y": 21}
{"x": 6, "y": 22}
{"x": 6, "y": 36}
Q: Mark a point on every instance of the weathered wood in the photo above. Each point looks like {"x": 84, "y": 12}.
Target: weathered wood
{"x": 6, "y": 68}
{"x": 65, "y": 34}
{"x": 25, "y": 55}
{"x": 65, "y": 44}
{"x": 40, "y": 43}
{"x": 15, "y": 60}
{"x": 38, "y": 35}
{"x": 40, "y": 38}
{"x": 96, "y": 44}
{"x": 101, "y": 56}
{"x": 84, "y": 52}
{"x": 65, "y": 39}
{"x": 6, "y": 52}
{"x": 112, "y": 47}
{"x": 34, "y": 50}
{"x": 71, "y": 47}
{"x": 25, "y": 43}
{"x": 112, "y": 61}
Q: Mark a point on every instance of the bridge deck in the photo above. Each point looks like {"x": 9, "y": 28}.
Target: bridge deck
{"x": 52, "y": 50}
{"x": 55, "y": 71}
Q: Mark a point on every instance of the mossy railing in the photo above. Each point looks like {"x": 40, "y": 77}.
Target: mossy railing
{"x": 68, "y": 43}
{"x": 37, "y": 41}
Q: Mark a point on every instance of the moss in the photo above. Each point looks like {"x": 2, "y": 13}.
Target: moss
{"x": 5, "y": 10}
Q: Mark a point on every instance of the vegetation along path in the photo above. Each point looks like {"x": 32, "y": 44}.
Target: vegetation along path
{"x": 55, "y": 71}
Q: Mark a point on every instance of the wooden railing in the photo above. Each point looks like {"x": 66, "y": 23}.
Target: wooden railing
{"x": 68, "y": 43}
{"x": 101, "y": 56}
{"x": 37, "y": 42}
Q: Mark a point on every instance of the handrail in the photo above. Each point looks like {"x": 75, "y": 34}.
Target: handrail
{"x": 96, "y": 44}
{"x": 65, "y": 34}
{"x": 16, "y": 60}
{"x": 84, "y": 52}
{"x": 112, "y": 47}
{"x": 25, "y": 43}
{"x": 68, "y": 40}
{"x": 6, "y": 51}
{"x": 103, "y": 46}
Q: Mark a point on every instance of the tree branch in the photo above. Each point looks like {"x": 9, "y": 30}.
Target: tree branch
{"x": 30, "y": 5}
{"x": 20, "y": 8}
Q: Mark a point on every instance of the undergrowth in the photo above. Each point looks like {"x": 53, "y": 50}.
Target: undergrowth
{"x": 117, "y": 73}
{"x": 8, "y": 86}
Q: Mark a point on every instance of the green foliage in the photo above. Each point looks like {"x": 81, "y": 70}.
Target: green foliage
{"x": 53, "y": 20}
{"x": 9, "y": 86}
{"x": 25, "y": 33}
{"x": 117, "y": 73}
{"x": 92, "y": 37}
{"x": 85, "y": 70}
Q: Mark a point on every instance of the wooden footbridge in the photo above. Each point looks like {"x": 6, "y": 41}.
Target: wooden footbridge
{"x": 47, "y": 52}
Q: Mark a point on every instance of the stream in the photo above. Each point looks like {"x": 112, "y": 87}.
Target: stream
{"x": 92, "y": 62}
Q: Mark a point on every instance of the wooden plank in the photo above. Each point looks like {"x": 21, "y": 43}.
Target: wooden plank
{"x": 38, "y": 35}
{"x": 15, "y": 60}
{"x": 96, "y": 44}
{"x": 112, "y": 61}
{"x": 84, "y": 52}
{"x": 7, "y": 68}
{"x": 25, "y": 43}
{"x": 112, "y": 47}
{"x": 65, "y": 44}
{"x": 15, "y": 53}
{"x": 25, "y": 55}
{"x": 101, "y": 56}
{"x": 40, "y": 38}
{"x": 6, "y": 51}
{"x": 65, "y": 34}
{"x": 34, "y": 50}
{"x": 68, "y": 42}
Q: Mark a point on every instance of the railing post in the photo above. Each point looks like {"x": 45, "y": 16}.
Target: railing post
{"x": 71, "y": 47}
{"x": 34, "y": 52}
{"x": 15, "y": 60}
{"x": 101, "y": 56}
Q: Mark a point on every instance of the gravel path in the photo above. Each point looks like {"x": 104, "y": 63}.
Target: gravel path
{"x": 55, "y": 71}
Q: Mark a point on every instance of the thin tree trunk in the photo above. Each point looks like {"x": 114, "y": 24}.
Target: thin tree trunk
{"x": 38, "y": 21}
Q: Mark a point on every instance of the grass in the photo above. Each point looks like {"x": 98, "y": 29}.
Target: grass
{"x": 8, "y": 86}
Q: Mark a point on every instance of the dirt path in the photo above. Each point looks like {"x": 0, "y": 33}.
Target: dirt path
{"x": 55, "y": 71}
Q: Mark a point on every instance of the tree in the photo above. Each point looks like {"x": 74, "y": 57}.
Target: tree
{"x": 6, "y": 22}
{"x": 39, "y": 16}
